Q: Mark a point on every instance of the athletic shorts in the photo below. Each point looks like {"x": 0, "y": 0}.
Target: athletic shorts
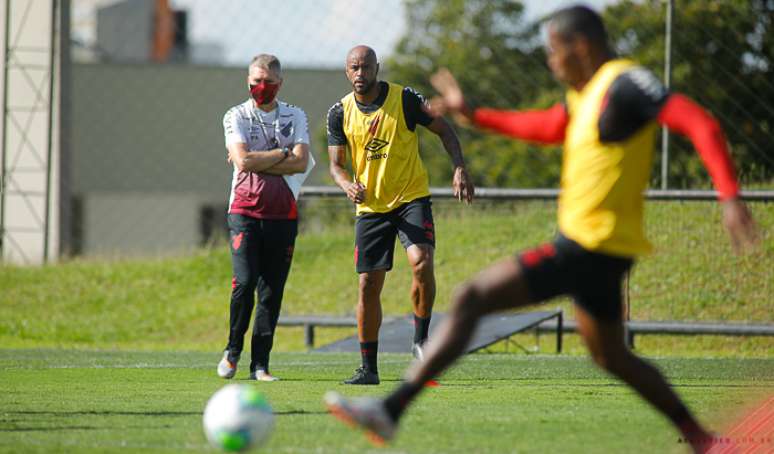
{"x": 564, "y": 267}
{"x": 375, "y": 233}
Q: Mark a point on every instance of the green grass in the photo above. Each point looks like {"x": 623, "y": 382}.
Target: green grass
{"x": 96, "y": 401}
{"x": 182, "y": 302}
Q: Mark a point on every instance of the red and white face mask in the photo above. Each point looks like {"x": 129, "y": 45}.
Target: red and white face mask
{"x": 264, "y": 92}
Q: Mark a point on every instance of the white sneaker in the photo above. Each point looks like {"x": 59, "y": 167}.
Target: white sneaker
{"x": 226, "y": 369}
{"x": 262, "y": 375}
{"x": 418, "y": 352}
{"x": 367, "y": 413}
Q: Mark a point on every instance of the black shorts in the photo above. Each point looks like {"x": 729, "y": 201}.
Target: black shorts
{"x": 564, "y": 267}
{"x": 375, "y": 233}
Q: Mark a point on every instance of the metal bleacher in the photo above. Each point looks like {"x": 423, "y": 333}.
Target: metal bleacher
{"x": 396, "y": 334}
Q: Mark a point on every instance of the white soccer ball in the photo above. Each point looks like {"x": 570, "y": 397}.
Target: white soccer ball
{"x": 237, "y": 417}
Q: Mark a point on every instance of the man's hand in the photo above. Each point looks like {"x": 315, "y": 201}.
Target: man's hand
{"x": 446, "y": 85}
{"x": 451, "y": 99}
{"x": 463, "y": 185}
{"x": 740, "y": 225}
{"x": 356, "y": 192}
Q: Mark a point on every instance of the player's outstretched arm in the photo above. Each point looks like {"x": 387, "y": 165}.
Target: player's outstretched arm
{"x": 539, "y": 126}
{"x": 680, "y": 114}
{"x": 337, "y": 156}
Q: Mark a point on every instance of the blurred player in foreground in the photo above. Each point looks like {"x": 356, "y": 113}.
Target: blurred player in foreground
{"x": 608, "y": 127}
{"x": 268, "y": 145}
{"x": 378, "y": 122}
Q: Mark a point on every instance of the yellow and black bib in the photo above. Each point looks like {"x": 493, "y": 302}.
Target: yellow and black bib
{"x": 385, "y": 154}
{"x": 601, "y": 201}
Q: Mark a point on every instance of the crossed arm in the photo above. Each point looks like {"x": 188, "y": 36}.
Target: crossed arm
{"x": 274, "y": 162}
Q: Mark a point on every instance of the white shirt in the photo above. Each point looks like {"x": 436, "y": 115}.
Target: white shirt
{"x": 284, "y": 126}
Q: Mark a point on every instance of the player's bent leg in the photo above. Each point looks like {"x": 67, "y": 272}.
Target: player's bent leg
{"x": 501, "y": 286}
{"x": 497, "y": 288}
{"x": 605, "y": 340}
{"x": 420, "y": 258}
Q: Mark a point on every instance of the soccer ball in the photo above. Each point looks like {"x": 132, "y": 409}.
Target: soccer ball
{"x": 237, "y": 417}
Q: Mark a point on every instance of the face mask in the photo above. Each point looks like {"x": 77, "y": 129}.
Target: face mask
{"x": 264, "y": 92}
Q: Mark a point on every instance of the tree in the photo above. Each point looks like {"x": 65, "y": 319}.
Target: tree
{"x": 723, "y": 56}
{"x": 497, "y": 58}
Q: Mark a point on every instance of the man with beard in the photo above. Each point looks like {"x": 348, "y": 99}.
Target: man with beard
{"x": 607, "y": 126}
{"x": 377, "y": 122}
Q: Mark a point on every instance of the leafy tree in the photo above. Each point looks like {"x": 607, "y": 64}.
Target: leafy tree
{"x": 497, "y": 58}
{"x": 722, "y": 57}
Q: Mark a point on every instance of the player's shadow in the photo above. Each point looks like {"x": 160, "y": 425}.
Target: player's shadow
{"x": 25, "y": 426}
{"x": 108, "y": 413}
{"x": 299, "y": 412}
{"x": 101, "y": 413}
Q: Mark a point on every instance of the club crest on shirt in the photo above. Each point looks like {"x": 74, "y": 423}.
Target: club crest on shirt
{"x": 287, "y": 130}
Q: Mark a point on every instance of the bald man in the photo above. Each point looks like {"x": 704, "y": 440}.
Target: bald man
{"x": 378, "y": 122}
{"x": 607, "y": 126}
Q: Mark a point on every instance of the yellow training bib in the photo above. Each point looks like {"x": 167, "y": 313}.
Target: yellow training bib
{"x": 385, "y": 154}
{"x": 601, "y": 201}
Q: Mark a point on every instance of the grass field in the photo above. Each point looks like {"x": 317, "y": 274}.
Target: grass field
{"x": 116, "y": 354}
{"x": 181, "y": 302}
{"x": 87, "y": 402}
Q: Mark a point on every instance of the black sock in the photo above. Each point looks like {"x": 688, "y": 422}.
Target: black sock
{"x": 421, "y": 329}
{"x": 368, "y": 351}
{"x": 399, "y": 399}
{"x": 683, "y": 419}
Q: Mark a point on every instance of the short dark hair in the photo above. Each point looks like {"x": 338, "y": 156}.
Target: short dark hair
{"x": 580, "y": 20}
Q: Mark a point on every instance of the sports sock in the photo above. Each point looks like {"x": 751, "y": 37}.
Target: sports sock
{"x": 368, "y": 352}
{"x": 399, "y": 399}
{"x": 421, "y": 329}
{"x": 686, "y": 423}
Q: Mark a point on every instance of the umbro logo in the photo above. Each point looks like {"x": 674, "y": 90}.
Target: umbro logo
{"x": 375, "y": 145}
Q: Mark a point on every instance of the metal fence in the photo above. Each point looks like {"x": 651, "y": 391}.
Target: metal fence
{"x": 136, "y": 164}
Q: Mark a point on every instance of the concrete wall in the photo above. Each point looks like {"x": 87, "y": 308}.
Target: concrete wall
{"x": 147, "y": 149}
